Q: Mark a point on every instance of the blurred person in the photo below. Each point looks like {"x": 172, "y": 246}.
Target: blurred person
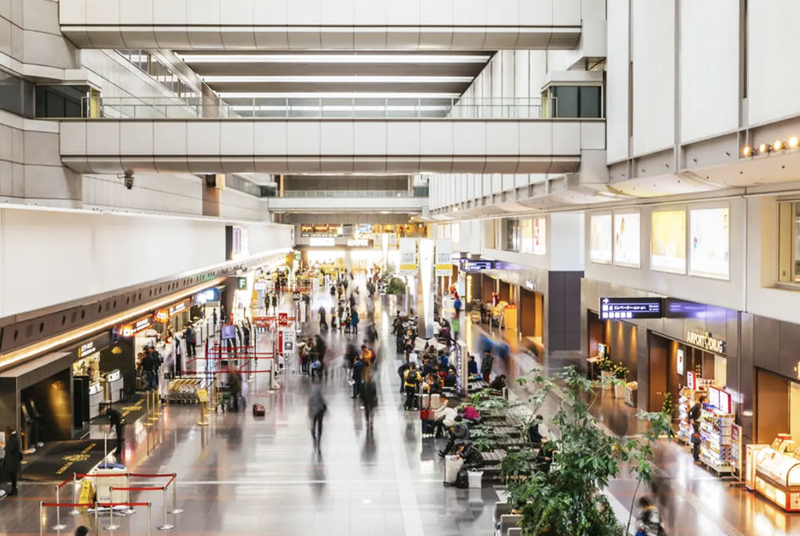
{"x": 316, "y": 413}
{"x": 486, "y": 366}
{"x": 369, "y": 397}
{"x": 534, "y": 434}
{"x": 472, "y": 366}
{"x": 117, "y": 423}
{"x": 499, "y": 383}
{"x": 235, "y": 379}
{"x": 458, "y": 434}
{"x": 648, "y": 520}
{"x": 357, "y": 376}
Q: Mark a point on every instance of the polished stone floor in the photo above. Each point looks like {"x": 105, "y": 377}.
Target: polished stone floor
{"x": 242, "y": 475}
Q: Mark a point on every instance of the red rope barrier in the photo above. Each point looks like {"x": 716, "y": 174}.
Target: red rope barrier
{"x": 171, "y": 480}
{"x": 102, "y": 476}
{"x": 67, "y": 505}
{"x": 111, "y": 505}
{"x": 138, "y": 489}
{"x": 141, "y": 475}
{"x": 67, "y": 481}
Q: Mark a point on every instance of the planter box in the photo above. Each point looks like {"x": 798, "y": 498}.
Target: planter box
{"x": 619, "y": 391}
{"x": 605, "y": 375}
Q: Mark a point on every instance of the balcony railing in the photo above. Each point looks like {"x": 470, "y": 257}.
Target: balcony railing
{"x": 338, "y": 194}
{"x": 294, "y": 108}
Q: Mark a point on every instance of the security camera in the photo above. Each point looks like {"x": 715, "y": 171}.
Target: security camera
{"x": 128, "y": 179}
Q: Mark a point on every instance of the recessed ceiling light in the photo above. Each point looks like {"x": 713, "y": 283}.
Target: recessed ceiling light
{"x": 338, "y": 79}
{"x": 334, "y": 95}
{"x": 333, "y": 58}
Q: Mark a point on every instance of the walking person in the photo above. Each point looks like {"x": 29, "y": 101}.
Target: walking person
{"x": 117, "y": 423}
{"x": 358, "y": 376}
{"x": 354, "y": 320}
{"x": 316, "y": 412}
{"x": 369, "y": 397}
{"x": 12, "y": 463}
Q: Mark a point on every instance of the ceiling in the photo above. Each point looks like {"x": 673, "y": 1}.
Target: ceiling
{"x": 337, "y": 84}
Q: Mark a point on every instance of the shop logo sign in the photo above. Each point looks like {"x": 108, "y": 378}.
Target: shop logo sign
{"x": 86, "y": 349}
{"x": 705, "y": 340}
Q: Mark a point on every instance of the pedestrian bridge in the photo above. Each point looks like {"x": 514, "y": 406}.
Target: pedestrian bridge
{"x": 329, "y": 145}
{"x": 470, "y": 25}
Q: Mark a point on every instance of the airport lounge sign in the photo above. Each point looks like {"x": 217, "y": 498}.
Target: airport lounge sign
{"x": 706, "y": 341}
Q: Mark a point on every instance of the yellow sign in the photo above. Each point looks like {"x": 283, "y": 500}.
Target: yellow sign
{"x": 87, "y": 493}
{"x": 202, "y": 396}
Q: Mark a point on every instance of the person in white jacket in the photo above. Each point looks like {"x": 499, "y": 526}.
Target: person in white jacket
{"x": 444, "y": 418}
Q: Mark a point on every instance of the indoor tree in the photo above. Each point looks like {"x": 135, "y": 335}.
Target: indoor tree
{"x": 568, "y": 498}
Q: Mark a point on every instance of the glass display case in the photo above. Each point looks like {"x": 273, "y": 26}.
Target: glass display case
{"x": 778, "y": 478}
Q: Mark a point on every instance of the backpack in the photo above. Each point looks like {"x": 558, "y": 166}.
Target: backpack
{"x": 462, "y": 479}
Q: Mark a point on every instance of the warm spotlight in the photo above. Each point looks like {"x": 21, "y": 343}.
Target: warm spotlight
{"x": 763, "y": 148}
{"x": 793, "y": 142}
{"x": 778, "y": 145}
{"x": 747, "y": 151}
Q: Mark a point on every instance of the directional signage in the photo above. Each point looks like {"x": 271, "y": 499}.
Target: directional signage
{"x": 296, "y": 295}
{"x": 476, "y": 266}
{"x": 631, "y": 308}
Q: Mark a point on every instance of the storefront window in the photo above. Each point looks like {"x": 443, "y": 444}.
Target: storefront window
{"x": 789, "y": 245}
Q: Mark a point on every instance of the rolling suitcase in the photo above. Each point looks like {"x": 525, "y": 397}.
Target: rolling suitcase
{"x": 258, "y": 410}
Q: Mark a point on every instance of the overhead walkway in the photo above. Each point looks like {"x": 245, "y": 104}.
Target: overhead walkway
{"x": 323, "y": 24}
{"x": 280, "y": 146}
{"x": 316, "y": 201}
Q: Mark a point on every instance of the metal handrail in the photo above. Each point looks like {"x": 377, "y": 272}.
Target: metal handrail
{"x": 292, "y": 108}
{"x": 352, "y": 194}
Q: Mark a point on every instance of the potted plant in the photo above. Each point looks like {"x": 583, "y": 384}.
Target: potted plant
{"x": 620, "y": 376}
{"x": 606, "y": 373}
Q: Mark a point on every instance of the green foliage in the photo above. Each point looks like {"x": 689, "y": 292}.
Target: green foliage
{"x": 621, "y": 371}
{"x": 396, "y": 286}
{"x": 669, "y": 406}
{"x": 567, "y": 500}
{"x": 606, "y": 365}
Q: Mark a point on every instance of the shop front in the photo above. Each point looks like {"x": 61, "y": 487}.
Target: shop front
{"x": 531, "y": 316}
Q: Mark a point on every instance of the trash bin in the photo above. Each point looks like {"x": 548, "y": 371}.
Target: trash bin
{"x": 475, "y": 478}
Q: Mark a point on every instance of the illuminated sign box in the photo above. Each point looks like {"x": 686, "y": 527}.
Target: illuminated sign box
{"x": 476, "y": 266}
{"x": 631, "y": 308}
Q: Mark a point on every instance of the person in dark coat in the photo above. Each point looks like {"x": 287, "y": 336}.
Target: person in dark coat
{"x": 12, "y": 463}
{"x": 358, "y": 372}
{"x": 486, "y": 366}
{"x": 694, "y": 417}
{"x": 369, "y": 396}
{"x": 117, "y": 422}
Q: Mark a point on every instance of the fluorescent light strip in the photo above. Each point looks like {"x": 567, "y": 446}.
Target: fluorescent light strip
{"x": 337, "y": 58}
{"x": 340, "y": 108}
{"x": 343, "y": 96}
{"x": 338, "y": 79}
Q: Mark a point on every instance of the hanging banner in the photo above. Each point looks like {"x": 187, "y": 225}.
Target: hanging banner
{"x": 408, "y": 256}
{"x": 444, "y": 256}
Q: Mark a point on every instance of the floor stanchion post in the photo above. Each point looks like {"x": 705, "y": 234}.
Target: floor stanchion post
{"x": 149, "y": 518}
{"x": 111, "y": 527}
{"x": 175, "y": 509}
{"x": 147, "y": 419}
{"x": 41, "y": 518}
{"x": 165, "y": 526}
{"x": 96, "y": 519}
{"x": 74, "y": 510}
{"x": 58, "y": 525}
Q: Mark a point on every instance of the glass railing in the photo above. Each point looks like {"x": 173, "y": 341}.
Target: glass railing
{"x": 293, "y": 108}
{"x": 417, "y": 192}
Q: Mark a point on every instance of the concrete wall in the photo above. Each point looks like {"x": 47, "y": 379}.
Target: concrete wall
{"x": 53, "y": 257}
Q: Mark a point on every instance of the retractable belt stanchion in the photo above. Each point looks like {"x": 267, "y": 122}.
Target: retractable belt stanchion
{"x": 111, "y": 527}
{"x": 166, "y": 526}
{"x": 152, "y": 394}
{"x": 74, "y": 510}
{"x": 59, "y": 525}
{"x": 148, "y": 420}
{"x": 157, "y": 404}
{"x": 175, "y": 509}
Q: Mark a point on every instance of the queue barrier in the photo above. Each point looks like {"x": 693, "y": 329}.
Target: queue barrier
{"x": 173, "y": 477}
{"x": 97, "y": 506}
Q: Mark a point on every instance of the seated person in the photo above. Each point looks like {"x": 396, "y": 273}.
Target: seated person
{"x": 444, "y": 418}
{"x": 472, "y": 457}
{"x": 458, "y": 433}
{"x": 451, "y": 380}
{"x": 472, "y": 366}
{"x": 432, "y": 385}
{"x": 471, "y": 414}
{"x": 442, "y": 359}
{"x": 534, "y": 434}
{"x": 499, "y": 383}
{"x": 544, "y": 459}
{"x": 427, "y": 366}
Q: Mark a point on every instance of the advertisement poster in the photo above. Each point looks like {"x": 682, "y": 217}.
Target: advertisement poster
{"x": 527, "y": 236}
{"x": 444, "y": 257}
{"x": 539, "y": 236}
{"x": 408, "y": 256}
{"x": 600, "y": 237}
{"x": 668, "y": 244}
{"x": 709, "y": 242}
{"x": 627, "y": 240}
